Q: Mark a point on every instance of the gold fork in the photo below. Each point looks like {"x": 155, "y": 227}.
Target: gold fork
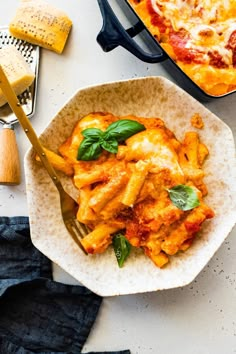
{"x": 76, "y": 229}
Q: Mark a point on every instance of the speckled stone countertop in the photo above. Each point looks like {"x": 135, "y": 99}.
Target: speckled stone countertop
{"x": 197, "y": 318}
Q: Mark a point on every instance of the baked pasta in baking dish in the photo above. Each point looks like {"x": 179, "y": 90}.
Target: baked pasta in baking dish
{"x": 136, "y": 179}
{"x": 200, "y": 36}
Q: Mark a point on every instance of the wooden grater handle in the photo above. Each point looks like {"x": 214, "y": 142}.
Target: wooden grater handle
{"x": 9, "y": 157}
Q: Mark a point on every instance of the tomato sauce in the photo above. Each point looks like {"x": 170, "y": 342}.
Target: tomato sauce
{"x": 156, "y": 19}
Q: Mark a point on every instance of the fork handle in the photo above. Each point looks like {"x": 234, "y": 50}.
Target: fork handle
{"x": 27, "y": 127}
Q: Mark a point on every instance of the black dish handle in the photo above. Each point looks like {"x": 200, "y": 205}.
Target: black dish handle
{"x": 113, "y": 34}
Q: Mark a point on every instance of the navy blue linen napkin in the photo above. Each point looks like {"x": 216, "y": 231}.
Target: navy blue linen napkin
{"x": 37, "y": 314}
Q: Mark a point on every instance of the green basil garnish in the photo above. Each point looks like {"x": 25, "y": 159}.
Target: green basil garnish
{"x": 121, "y": 248}
{"x": 95, "y": 139}
{"x": 89, "y": 148}
{"x": 183, "y": 197}
{"x": 92, "y": 133}
{"x": 110, "y": 145}
{"x": 123, "y": 129}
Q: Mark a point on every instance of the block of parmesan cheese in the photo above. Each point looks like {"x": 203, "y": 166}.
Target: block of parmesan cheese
{"x": 42, "y": 24}
{"x": 18, "y": 71}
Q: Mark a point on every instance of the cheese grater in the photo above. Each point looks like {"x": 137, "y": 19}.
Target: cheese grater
{"x": 10, "y": 175}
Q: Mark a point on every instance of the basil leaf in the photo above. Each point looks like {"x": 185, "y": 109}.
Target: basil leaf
{"x": 110, "y": 145}
{"x": 89, "y": 150}
{"x": 121, "y": 247}
{"x": 123, "y": 129}
{"x": 95, "y": 139}
{"x": 92, "y": 133}
{"x": 184, "y": 197}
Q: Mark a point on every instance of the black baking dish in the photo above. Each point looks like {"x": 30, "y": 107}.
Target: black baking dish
{"x": 113, "y": 34}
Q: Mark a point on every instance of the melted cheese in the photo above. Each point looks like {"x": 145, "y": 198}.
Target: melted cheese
{"x": 195, "y": 32}
{"x": 207, "y": 23}
{"x": 155, "y": 146}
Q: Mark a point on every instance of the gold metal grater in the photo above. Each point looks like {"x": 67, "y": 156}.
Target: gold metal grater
{"x": 9, "y": 156}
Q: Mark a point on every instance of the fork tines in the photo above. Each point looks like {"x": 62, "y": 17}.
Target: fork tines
{"x": 77, "y": 231}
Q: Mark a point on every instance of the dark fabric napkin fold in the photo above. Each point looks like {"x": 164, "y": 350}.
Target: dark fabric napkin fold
{"x": 37, "y": 314}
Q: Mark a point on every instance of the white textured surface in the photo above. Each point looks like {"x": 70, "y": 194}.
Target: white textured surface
{"x": 197, "y": 318}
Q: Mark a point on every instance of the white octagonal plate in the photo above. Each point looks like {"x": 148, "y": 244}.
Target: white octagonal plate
{"x": 146, "y": 97}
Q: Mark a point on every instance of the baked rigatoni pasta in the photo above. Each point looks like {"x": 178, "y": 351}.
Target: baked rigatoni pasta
{"x": 199, "y": 36}
{"x": 129, "y": 191}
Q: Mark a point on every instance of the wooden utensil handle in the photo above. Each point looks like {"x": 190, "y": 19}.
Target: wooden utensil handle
{"x": 10, "y": 173}
{"x": 27, "y": 127}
